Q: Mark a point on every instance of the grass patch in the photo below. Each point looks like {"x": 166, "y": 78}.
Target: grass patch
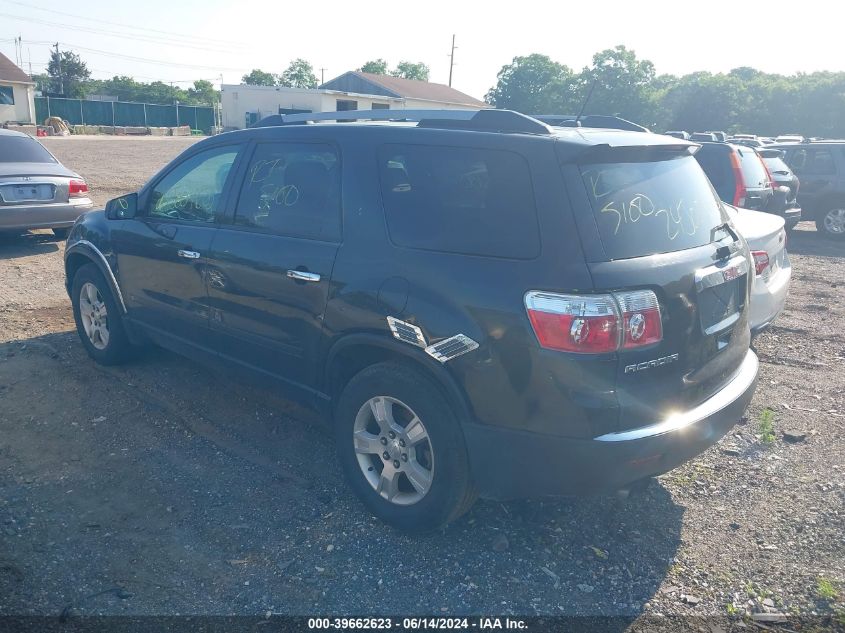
{"x": 767, "y": 426}
{"x": 826, "y": 590}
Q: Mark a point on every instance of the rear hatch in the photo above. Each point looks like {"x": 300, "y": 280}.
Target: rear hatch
{"x": 650, "y": 220}
{"x": 758, "y": 189}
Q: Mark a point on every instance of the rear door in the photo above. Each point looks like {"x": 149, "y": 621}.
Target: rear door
{"x": 270, "y": 266}
{"x": 651, "y": 221}
{"x": 817, "y": 169}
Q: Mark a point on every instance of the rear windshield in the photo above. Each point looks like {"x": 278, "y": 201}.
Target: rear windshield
{"x": 21, "y": 149}
{"x": 776, "y": 164}
{"x": 752, "y": 169}
{"x": 646, "y": 208}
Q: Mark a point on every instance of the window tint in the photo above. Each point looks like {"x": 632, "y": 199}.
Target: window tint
{"x": 193, "y": 190}
{"x": 820, "y": 161}
{"x": 775, "y": 165}
{"x": 292, "y": 189}
{"x": 459, "y": 200}
{"x": 651, "y": 207}
{"x": 753, "y": 170}
{"x": 23, "y": 149}
{"x": 717, "y": 165}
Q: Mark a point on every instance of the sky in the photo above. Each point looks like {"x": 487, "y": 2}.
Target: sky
{"x": 182, "y": 40}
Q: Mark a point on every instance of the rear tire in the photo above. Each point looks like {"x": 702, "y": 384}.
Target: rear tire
{"x": 831, "y": 223}
{"x": 98, "y": 319}
{"x": 60, "y": 234}
{"x": 393, "y": 424}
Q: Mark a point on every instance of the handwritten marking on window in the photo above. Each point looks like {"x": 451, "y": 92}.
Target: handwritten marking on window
{"x": 263, "y": 169}
{"x": 678, "y": 218}
{"x": 287, "y": 195}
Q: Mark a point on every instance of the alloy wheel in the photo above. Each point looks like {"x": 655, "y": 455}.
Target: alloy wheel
{"x": 393, "y": 450}
{"x": 834, "y": 221}
{"x": 94, "y": 314}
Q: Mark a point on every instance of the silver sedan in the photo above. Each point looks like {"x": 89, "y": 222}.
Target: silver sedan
{"x": 36, "y": 190}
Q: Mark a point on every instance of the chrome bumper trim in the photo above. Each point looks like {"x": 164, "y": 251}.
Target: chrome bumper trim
{"x": 743, "y": 379}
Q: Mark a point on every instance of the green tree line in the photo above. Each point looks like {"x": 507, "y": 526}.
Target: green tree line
{"x": 742, "y": 100}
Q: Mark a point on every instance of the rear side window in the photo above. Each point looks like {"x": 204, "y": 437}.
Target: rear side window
{"x": 717, "y": 165}
{"x": 644, "y": 208}
{"x": 776, "y": 164}
{"x": 459, "y": 200}
{"x": 23, "y": 149}
{"x": 292, "y": 189}
{"x": 753, "y": 170}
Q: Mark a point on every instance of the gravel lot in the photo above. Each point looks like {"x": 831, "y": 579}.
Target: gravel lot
{"x": 165, "y": 487}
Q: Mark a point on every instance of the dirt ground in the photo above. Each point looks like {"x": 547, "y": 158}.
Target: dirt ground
{"x": 165, "y": 487}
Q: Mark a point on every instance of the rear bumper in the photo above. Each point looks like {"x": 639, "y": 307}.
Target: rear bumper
{"x": 46, "y": 216}
{"x": 769, "y": 298}
{"x": 508, "y": 464}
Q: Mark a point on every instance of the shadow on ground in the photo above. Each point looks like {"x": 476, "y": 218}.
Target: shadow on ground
{"x": 26, "y": 244}
{"x": 164, "y": 487}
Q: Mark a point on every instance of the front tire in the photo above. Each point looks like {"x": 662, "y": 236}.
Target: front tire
{"x": 98, "y": 319}
{"x": 831, "y": 223}
{"x": 401, "y": 448}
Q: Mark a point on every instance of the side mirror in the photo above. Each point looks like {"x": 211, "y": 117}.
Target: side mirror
{"x": 122, "y": 208}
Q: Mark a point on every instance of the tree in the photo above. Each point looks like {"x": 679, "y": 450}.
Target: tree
{"x": 410, "y": 70}
{"x": 534, "y": 84}
{"x": 203, "y": 93}
{"x": 622, "y": 85}
{"x": 69, "y": 73}
{"x": 258, "y": 77}
{"x": 300, "y": 74}
{"x": 375, "y": 66}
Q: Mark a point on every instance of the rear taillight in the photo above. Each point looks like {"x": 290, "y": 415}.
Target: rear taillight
{"x": 641, "y": 322}
{"x": 739, "y": 190}
{"x": 77, "y": 189}
{"x": 594, "y": 324}
{"x": 761, "y": 261}
{"x": 772, "y": 183}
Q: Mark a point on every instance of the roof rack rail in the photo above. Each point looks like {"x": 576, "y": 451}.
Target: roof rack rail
{"x": 488, "y": 119}
{"x": 590, "y": 120}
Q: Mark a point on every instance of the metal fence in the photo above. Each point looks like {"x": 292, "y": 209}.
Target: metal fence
{"x": 124, "y": 113}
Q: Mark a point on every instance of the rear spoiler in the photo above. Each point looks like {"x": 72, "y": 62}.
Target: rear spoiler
{"x": 606, "y": 153}
{"x": 590, "y": 120}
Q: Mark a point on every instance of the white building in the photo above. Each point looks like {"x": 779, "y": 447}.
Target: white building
{"x": 243, "y": 105}
{"x": 17, "y": 94}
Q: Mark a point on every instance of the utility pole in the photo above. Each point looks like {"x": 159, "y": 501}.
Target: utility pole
{"x": 59, "y": 62}
{"x": 452, "y": 60}
{"x": 323, "y": 75}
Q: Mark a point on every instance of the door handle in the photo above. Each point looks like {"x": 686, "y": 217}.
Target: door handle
{"x": 301, "y": 275}
{"x": 188, "y": 254}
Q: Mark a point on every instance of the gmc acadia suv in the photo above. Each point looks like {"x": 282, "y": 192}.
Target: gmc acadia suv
{"x": 483, "y": 304}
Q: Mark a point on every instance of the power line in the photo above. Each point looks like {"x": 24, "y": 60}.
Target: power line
{"x": 88, "y": 29}
{"x": 130, "y": 26}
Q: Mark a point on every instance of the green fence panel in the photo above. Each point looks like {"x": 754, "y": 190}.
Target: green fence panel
{"x": 97, "y": 112}
{"x": 124, "y": 113}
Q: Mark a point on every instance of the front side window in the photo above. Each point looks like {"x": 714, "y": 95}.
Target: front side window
{"x": 459, "y": 200}
{"x": 292, "y": 189}
{"x": 193, "y": 190}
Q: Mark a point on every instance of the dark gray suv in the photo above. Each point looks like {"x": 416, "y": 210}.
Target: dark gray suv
{"x": 821, "y": 168}
{"x": 484, "y": 305}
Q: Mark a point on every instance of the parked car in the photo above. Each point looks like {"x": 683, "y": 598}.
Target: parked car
{"x": 766, "y": 238}
{"x": 485, "y": 305}
{"x": 790, "y": 138}
{"x": 36, "y": 190}
{"x": 703, "y": 137}
{"x": 738, "y": 175}
{"x": 821, "y": 167}
{"x": 785, "y": 201}
{"x": 748, "y": 142}
{"x": 722, "y": 137}
{"x": 678, "y": 134}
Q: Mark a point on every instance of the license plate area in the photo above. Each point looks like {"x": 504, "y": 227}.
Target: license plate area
{"x": 27, "y": 192}
{"x": 721, "y": 292}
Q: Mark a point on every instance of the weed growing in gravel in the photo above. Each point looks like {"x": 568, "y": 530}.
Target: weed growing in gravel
{"x": 826, "y": 590}
{"x": 767, "y": 426}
